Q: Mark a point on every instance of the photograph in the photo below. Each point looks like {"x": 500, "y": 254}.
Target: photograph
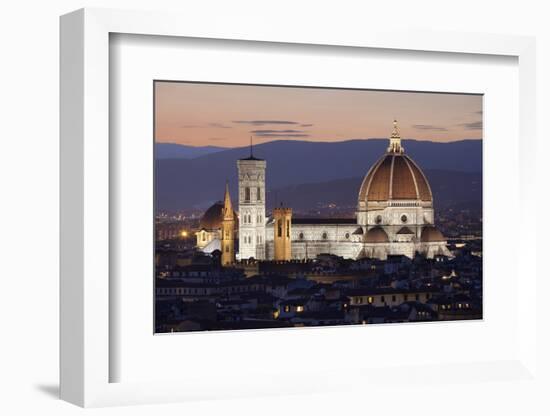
{"x": 296, "y": 206}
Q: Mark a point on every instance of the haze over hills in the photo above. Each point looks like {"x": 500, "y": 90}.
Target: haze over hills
{"x": 180, "y": 151}
{"x": 448, "y": 187}
{"x": 303, "y": 171}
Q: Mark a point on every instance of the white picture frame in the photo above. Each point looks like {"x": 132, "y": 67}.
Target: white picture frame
{"x": 86, "y": 355}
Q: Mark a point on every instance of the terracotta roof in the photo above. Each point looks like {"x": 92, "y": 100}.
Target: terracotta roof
{"x": 395, "y": 177}
{"x": 324, "y": 221}
{"x": 212, "y": 218}
{"x": 431, "y": 234}
{"x": 376, "y": 235}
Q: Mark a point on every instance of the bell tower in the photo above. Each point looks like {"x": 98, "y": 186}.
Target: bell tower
{"x": 251, "y": 171}
{"x": 282, "y": 233}
{"x": 228, "y": 230}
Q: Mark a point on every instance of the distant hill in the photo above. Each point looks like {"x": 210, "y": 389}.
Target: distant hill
{"x": 448, "y": 188}
{"x": 198, "y": 182}
{"x": 180, "y": 151}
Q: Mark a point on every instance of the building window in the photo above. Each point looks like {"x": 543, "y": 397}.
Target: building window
{"x": 324, "y": 236}
{"x": 247, "y": 194}
{"x": 403, "y": 218}
{"x": 288, "y": 228}
{"x": 378, "y": 219}
{"x": 347, "y": 236}
{"x": 301, "y": 236}
{"x": 259, "y": 194}
{"x": 369, "y": 300}
{"x": 393, "y": 298}
{"x": 203, "y": 236}
{"x": 279, "y": 228}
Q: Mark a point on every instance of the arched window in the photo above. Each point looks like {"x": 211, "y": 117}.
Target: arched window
{"x": 259, "y": 194}
{"x": 324, "y": 236}
{"x": 247, "y": 194}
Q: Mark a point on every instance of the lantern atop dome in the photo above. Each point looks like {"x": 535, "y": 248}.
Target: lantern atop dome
{"x": 395, "y": 140}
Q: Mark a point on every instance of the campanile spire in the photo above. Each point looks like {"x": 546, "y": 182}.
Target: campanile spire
{"x": 227, "y": 206}
{"x": 228, "y": 230}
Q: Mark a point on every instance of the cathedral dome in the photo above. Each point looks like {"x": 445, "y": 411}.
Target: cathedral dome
{"x": 376, "y": 235}
{"x": 395, "y": 176}
{"x": 431, "y": 234}
{"x": 212, "y": 218}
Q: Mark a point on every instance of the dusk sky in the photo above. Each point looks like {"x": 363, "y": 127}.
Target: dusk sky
{"x": 227, "y": 115}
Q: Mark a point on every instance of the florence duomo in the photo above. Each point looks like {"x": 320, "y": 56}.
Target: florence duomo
{"x": 394, "y": 216}
{"x": 334, "y": 207}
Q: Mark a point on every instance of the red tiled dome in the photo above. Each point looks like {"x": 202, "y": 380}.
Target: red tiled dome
{"x": 376, "y": 235}
{"x": 395, "y": 176}
{"x": 431, "y": 234}
{"x": 212, "y": 218}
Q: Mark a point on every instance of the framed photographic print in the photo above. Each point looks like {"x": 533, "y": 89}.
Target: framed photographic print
{"x": 273, "y": 212}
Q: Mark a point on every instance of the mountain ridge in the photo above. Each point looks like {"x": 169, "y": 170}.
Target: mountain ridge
{"x": 181, "y": 151}
{"x": 186, "y": 183}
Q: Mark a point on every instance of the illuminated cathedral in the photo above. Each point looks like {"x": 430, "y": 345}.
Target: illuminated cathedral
{"x": 395, "y": 216}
